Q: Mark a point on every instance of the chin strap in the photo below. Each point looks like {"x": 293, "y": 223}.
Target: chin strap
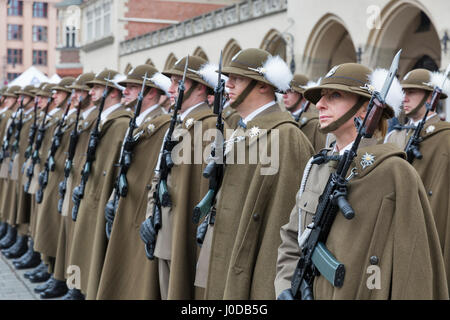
{"x": 295, "y": 105}
{"x": 414, "y": 111}
{"x": 339, "y": 122}
{"x": 243, "y": 94}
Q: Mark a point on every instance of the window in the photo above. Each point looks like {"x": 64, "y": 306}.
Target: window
{"x": 15, "y": 8}
{"x": 40, "y": 9}
{"x": 14, "y": 32}
{"x": 90, "y": 25}
{"x": 14, "y": 56}
{"x": 39, "y": 34}
{"x": 12, "y": 76}
{"x": 106, "y": 19}
{"x": 98, "y": 21}
{"x": 70, "y": 37}
{"x": 40, "y": 57}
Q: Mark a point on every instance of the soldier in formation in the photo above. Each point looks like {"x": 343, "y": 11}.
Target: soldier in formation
{"x": 196, "y": 183}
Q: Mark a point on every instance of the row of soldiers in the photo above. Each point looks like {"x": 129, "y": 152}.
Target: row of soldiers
{"x": 95, "y": 199}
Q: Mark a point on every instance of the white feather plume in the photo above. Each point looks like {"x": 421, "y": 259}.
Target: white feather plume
{"x": 277, "y": 72}
{"x": 161, "y": 81}
{"x": 117, "y": 79}
{"x": 395, "y": 95}
{"x": 209, "y": 74}
{"x": 312, "y": 84}
{"x": 437, "y": 79}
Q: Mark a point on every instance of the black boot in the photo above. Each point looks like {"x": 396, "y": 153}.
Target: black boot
{"x": 56, "y": 289}
{"x": 73, "y": 294}
{"x": 9, "y": 239}
{"x": 42, "y": 287}
{"x": 3, "y": 229}
{"x": 17, "y": 249}
{"x": 40, "y": 267}
{"x": 40, "y": 276}
{"x": 32, "y": 259}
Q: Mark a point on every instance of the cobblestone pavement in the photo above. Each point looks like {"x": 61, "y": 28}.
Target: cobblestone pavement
{"x": 13, "y": 285}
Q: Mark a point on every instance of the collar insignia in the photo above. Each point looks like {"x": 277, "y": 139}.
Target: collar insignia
{"x": 189, "y": 122}
{"x": 367, "y": 160}
{"x": 430, "y": 129}
{"x": 254, "y": 132}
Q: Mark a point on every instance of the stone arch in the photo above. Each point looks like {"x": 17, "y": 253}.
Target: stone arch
{"x": 128, "y": 68}
{"x": 329, "y": 44}
{"x": 231, "y": 48}
{"x": 149, "y": 62}
{"x": 170, "y": 61}
{"x": 274, "y": 43}
{"x": 199, "y": 52}
{"x": 407, "y": 25}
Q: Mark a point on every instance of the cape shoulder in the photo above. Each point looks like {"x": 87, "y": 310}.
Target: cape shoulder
{"x": 374, "y": 155}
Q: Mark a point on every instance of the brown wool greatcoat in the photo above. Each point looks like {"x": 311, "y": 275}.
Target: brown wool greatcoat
{"x": 89, "y": 239}
{"x": 50, "y": 124}
{"x": 48, "y": 217}
{"x": 434, "y": 169}
{"x": 23, "y": 198}
{"x": 66, "y": 225}
{"x": 176, "y": 239}
{"x": 393, "y": 231}
{"x": 127, "y": 272}
{"x": 309, "y": 123}
{"x": 7, "y": 186}
{"x": 251, "y": 209}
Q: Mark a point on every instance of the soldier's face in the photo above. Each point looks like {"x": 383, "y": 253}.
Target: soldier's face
{"x": 236, "y": 84}
{"x": 131, "y": 92}
{"x": 96, "y": 92}
{"x": 59, "y": 96}
{"x": 333, "y": 105}
{"x": 42, "y": 102}
{"x": 77, "y": 95}
{"x": 412, "y": 99}
{"x": 173, "y": 89}
{"x": 25, "y": 98}
{"x": 289, "y": 98}
{"x": 9, "y": 102}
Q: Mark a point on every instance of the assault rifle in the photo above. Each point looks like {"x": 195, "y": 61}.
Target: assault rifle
{"x": 78, "y": 192}
{"x": 315, "y": 258}
{"x": 31, "y": 134}
{"x": 161, "y": 196}
{"x": 35, "y": 158}
{"x": 121, "y": 183}
{"x": 9, "y": 132}
{"x": 412, "y": 147}
{"x": 304, "y": 108}
{"x": 214, "y": 169}
{"x": 49, "y": 164}
{"x": 62, "y": 187}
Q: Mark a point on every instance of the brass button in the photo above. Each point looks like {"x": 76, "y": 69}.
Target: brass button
{"x": 255, "y": 217}
{"x": 430, "y": 193}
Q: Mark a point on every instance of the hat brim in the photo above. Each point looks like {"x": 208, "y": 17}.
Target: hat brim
{"x": 189, "y": 75}
{"x": 77, "y": 87}
{"x": 417, "y": 86}
{"x": 61, "y": 89}
{"x": 314, "y": 94}
{"x": 247, "y": 74}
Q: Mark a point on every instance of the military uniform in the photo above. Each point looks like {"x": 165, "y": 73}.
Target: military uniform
{"x": 175, "y": 248}
{"x": 48, "y": 218}
{"x": 89, "y": 241}
{"x": 249, "y": 210}
{"x": 307, "y": 115}
{"x": 434, "y": 167}
{"x": 127, "y": 273}
{"x": 392, "y": 232}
